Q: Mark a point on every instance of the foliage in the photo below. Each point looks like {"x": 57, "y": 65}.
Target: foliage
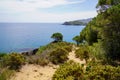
{"x": 14, "y": 60}
{"x": 77, "y": 39}
{"x": 37, "y": 59}
{"x": 89, "y": 33}
{"x": 83, "y": 52}
{"x": 108, "y": 2}
{"x": 58, "y": 55}
{"x": 55, "y": 52}
{"x": 1, "y": 60}
{"x": 48, "y": 48}
{"x": 57, "y": 36}
{"x": 69, "y": 71}
{"x": 103, "y": 5}
{"x": 97, "y": 51}
{"x": 42, "y": 61}
{"x": 104, "y": 32}
{"x": 94, "y": 71}
{"x": 6, "y": 74}
{"x": 2, "y": 55}
{"x": 103, "y": 72}
{"x": 68, "y": 48}
{"x": 111, "y": 33}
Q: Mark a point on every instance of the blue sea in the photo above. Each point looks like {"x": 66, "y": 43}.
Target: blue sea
{"x": 19, "y": 37}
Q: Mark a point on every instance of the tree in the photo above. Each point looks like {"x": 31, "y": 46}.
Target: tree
{"x": 77, "y": 39}
{"x": 57, "y": 37}
{"x": 105, "y": 30}
{"x": 103, "y": 5}
{"x": 110, "y": 33}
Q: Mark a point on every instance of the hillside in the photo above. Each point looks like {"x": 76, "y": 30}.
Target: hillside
{"x": 37, "y": 72}
{"x": 78, "y": 22}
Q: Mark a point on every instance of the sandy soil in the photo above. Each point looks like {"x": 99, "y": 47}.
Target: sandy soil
{"x": 35, "y": 72}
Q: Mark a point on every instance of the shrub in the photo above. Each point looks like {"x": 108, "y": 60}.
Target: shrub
{"x": 41, "y": 49}
{"x": 2, "y": 55}
{"x": 68, "y": 48}
{"x": 82, "y": 53}
{"x": 69, "y": 71}
{"x": 42, "y": 61}
{"x": 103, "y": 72}
{"x": 14, "y": 60}
{"x": 6, "y": 74}
{"x": 97, "y": 51}
{"x": 58, "y": 55}
{"x": 52, "y": 46}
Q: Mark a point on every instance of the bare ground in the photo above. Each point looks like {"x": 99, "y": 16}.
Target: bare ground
{"x": 35, "y": 72}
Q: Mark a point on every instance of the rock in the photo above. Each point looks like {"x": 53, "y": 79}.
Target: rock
{"x": 32, "y": 52}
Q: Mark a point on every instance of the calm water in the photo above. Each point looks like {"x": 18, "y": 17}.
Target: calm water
{"x": 26, "y": 36}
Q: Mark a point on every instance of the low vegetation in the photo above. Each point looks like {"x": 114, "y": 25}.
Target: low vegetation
{"x": 95, "y": 71}
{"x": 14, "y": 60}
{"x": 54, "y": 53}
{"x": 69, "y": 71}
{"x": 5, "y": 74}
{"x": 83, "y": 52}
{"x": 103, "y": 72}
{"x": 58, "y": 55}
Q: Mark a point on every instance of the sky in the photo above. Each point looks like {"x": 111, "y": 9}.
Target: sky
{"x": 49, "y": 11}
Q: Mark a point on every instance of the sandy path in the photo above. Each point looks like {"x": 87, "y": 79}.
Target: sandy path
{"x": 35, "y": 72}
{"x": 72, "y": 57}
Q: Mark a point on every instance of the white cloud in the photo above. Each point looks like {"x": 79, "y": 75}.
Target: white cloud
{"x": 48, "y": 17}
{"x": 31, "y": 5}
{"x": 27, "y": 11}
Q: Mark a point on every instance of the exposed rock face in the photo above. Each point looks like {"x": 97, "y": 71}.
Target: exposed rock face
{"x": 32, "y": 52}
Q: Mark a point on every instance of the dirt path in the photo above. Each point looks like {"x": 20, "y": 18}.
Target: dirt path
{"x": 35, "y": 72}
{"x": 72, "y": 57}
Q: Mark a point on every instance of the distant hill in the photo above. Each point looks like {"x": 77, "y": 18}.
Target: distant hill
{"x": 78, "y": 22}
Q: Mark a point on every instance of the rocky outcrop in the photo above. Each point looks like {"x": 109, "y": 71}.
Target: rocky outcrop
{"x": 31, "y": 52}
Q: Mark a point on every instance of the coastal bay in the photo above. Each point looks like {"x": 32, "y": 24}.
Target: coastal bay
{"x": 20, "y": 37}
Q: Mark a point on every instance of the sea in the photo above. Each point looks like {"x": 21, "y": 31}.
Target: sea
{"x": 20, "y": 37}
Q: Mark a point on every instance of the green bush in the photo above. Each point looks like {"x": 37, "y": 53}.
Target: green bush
{"x": 14, "y": 60}
{"x": 6, "y": 74}
{"x": 2, "y": 55}
{"x": 68, "y": 48}
{"x": 58, "y": 55}
{"x": 1, "y": 60}
{"x": 69, "y": 71}
{"x": 42, "y": 61}
{"x": 97, "y": 51}
{"x": 83, "y": 53}
{"x": 54, "y": 52}
{"x": 103, "y": 72}
{"x": 52, "y": 46}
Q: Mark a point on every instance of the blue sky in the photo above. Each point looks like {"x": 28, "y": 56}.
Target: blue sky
{"x": 46, "y": 10}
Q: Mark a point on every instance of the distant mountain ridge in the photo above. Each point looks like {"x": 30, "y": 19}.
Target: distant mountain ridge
{"x": 78, "y": 22}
